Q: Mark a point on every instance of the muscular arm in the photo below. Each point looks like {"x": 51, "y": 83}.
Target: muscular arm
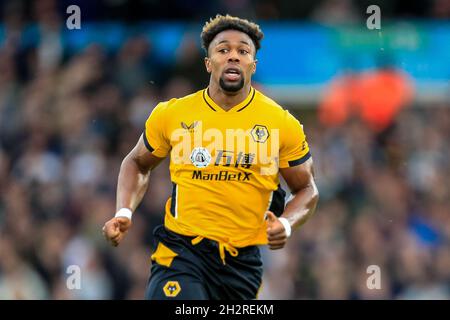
{"x": 300, "y": 206}
{"x": 305, "y": 195}
{"x": 134, "y": 176}
{"x": 131, "y": 186}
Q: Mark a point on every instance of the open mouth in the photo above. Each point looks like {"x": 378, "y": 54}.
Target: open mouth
{"x": 232, "y": 74}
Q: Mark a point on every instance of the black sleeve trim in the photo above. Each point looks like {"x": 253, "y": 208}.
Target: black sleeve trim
{"x": 174, "y": 200}
{"x": 278, "y": 201}
{"x": 147, "y": 144}
{"x": 297, "y": 162}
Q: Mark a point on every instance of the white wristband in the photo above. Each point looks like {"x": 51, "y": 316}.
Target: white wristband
{"x": 286, "y": 225}
{"x": 124, "y": 212}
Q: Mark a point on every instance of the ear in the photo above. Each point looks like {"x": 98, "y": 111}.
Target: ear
{"x": 208, "y": 64}
{"x": 254, "y": 65}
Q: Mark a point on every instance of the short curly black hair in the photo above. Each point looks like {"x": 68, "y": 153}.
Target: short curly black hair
{"x": 221, "y": 23}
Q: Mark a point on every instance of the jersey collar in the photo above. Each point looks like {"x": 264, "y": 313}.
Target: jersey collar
{"x": 237, "y": 108}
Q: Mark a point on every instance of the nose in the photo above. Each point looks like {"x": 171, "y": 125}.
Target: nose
{"x": 233, "y": 57}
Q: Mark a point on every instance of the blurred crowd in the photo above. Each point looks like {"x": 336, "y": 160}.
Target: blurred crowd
{"x": 384, "y": 202}
{"x": 343, "y": 11}
{"x": 67, "y": 121}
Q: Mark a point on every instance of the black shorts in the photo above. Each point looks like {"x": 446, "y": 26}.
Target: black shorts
{"x": 193, "y": 272}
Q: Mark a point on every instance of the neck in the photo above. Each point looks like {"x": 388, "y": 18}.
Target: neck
{"x": 227, "y": 100}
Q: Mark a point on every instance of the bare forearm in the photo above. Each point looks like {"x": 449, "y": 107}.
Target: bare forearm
{"x": 301, "y": 205}
{"x": 132, "y": 184}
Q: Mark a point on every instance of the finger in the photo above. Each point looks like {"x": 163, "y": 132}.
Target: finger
{"x": 115, "y": 242}
{"x": 280, "y": 236}
{"x": 123, "y": 223}
{"x": 276, "y": 247}
{"x": 271, "y": 218}
{"x": 277, "y": 242}
{"x": 118, "y": 236}
{"x": 112, "y": 233}
{"x": 275, "y": 231}
{"x": 123, "y": 220}
{"x": 105, "y": 228}
{"x": 111, "y": 239}
{"x": 110, "y": 227}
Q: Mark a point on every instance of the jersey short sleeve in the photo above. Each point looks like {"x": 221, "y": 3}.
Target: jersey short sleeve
{"x": 155, "y": 137}
{"x": 294, "y": 149}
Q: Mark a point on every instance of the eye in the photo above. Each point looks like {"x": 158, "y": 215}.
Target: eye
{"x": 223, "y": 50}
{"x": 243, "y": 51}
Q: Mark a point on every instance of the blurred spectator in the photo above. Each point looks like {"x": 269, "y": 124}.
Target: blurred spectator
{"x": 375, "y": 96}
{"x": 343, "y": 12}
{"x": 441, "y": 9}
{"x": 18, "y": 280}
{"x": 189, "y": 63}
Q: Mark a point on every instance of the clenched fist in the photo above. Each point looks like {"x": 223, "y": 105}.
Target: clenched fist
{"x": 115, "y": 229}
{"x": 276, "y": 234}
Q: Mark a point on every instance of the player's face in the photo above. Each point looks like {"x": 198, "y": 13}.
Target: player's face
{"x": 231, "y": 60}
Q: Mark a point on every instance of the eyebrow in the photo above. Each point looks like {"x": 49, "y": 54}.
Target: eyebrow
{"x": 226, "y": 41}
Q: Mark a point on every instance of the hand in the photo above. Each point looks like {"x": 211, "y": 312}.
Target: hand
{"x": 275, "y": 232}
{"x": 115, "y": 229}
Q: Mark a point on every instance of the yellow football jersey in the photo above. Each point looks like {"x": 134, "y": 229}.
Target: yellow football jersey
{"x": 224, "y": 164}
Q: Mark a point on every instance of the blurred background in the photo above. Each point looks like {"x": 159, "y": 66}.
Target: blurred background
{"x": 375, "y": 105}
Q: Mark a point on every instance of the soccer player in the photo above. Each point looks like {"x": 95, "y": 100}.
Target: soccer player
{"x": 227, "y": 144}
